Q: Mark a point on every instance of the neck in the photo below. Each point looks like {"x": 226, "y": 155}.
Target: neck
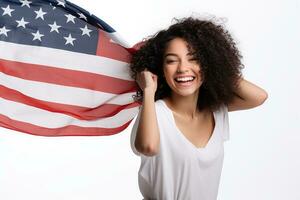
{"x": 184, "y": 106}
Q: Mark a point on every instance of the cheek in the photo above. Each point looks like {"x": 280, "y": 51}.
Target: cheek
{"x": 168, "y": 79}
{"x": 201, "y": 74}
{"x": 167, "y": 74}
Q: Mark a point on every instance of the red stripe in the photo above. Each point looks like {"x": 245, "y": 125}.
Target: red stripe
{"x": 79, "y": 112}
{"x": 136, "y": 47}
{"x": 67, "y": 77}
{"x": 112, "y": 50}
{"x": 71, "y": 130}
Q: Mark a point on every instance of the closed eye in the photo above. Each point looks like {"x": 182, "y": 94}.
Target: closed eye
{"x": 170, "y": 61}
{"x": 194, "y": 60}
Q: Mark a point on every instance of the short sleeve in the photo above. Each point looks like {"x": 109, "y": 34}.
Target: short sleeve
{"x": 225, "y": 122}
{"x": 133, "y": 133}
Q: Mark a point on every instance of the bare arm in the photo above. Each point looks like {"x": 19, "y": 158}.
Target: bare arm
{"x": 147, "y": 135}
{"x": 247, "y": 96}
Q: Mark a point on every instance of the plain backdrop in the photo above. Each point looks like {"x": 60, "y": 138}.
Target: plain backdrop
{"x": 262, "y": 159}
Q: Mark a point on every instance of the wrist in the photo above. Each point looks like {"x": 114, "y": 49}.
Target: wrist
{"x": 148, "y": 94}
{"x": 149, "y": 91}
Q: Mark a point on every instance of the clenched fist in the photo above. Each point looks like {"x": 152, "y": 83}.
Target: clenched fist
{"x": 147, "y": 80}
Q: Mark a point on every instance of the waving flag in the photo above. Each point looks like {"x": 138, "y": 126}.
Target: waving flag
{"x": 63, "y": 71}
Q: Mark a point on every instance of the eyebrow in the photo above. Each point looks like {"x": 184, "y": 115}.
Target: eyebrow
{"x": 173, "y": 54}
{"x": 170, "y": 54}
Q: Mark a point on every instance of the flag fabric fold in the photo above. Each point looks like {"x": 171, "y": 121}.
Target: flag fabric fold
{"x": 63, "y": 71}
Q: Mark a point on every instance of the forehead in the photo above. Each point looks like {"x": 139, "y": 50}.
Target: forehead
{"x": 177, "y": 46}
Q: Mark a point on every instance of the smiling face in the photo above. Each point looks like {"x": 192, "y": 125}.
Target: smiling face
{"x": 181, "y": 69}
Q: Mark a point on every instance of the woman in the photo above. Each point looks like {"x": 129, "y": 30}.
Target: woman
{"x": 190, "y": 78}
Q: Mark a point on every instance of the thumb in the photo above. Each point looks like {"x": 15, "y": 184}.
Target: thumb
{"x": 154, "y": 76}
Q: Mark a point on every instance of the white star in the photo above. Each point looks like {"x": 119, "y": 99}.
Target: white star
{"x": 25, "y": 3}
{"x": 86, "y": 31}
{"x": 69, "y": 40}
{"x": 62, "y": 3}
{"x": 7, "y": 10}
{"x": 21, "y": 22}
{"x": 37, "y": 36}
{"x": 54, "y": 27}
{"x": 82, "y": 16}
{"x": 4, "y": 31}
{"x": 40, "y": 14}
{"x": 70, "y": 18}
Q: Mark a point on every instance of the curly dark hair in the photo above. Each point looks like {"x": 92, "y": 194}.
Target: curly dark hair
{"x": 214, "y": 49}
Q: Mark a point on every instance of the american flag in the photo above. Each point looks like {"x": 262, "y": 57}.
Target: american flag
{"x": 63, "y": 71}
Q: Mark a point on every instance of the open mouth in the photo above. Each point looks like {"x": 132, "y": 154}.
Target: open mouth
{"x": 184, "y": 80}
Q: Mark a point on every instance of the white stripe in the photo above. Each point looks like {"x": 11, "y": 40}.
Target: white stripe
{"x": 64, "y": 59}
{"x": 43, "y": 118}
{"x": 64, "y": 94}
{"x": 116, "y": 37}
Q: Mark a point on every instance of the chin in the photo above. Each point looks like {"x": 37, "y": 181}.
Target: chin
{"x": 186, "y": 92}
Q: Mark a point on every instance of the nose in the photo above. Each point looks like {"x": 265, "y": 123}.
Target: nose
{"x": 183, "y": 66}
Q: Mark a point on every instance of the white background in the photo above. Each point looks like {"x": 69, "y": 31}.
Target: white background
{"x": 262, "y": 159}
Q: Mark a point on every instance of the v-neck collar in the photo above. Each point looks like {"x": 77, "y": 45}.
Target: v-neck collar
{"x": 184, "y": 137}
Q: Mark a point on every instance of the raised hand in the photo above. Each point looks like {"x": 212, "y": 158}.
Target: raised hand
{"x": 147, "y": 81}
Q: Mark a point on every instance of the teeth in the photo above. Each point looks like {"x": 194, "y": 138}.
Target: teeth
{"x": 185, "y": 79}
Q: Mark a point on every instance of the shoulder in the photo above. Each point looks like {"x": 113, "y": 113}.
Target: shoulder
{"x": 159, "y": 102}
{"x": 221, "y": 114}
{"x": 159, "y": 105}
{"x": 222, "y": 109}
{"x": 223, "y": 120}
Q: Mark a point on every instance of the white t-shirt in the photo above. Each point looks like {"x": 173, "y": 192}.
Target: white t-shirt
{"x": 180, "y": 170}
